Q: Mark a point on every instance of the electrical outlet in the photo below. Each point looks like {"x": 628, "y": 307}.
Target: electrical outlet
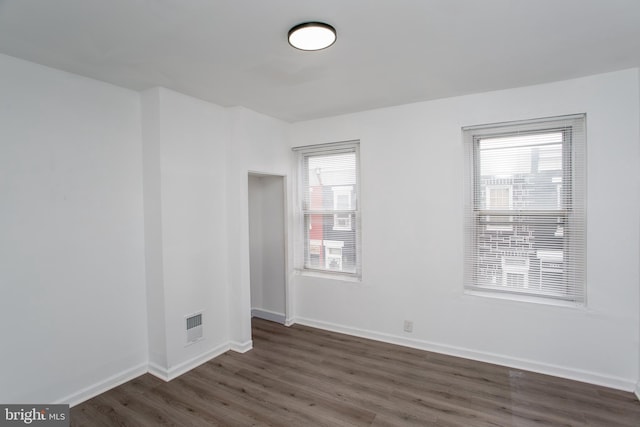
{"x": 408, "y": 326}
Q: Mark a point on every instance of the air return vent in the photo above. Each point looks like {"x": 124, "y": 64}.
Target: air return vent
{"x": 194, "y": 327}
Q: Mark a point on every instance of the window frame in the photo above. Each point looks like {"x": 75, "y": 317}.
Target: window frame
{"x": 573, "y": 128}
{"x": 303, "y": 240}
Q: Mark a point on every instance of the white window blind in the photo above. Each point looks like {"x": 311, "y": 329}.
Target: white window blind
{"x": 329, "y": 207}
{"x": 525, "y": 208}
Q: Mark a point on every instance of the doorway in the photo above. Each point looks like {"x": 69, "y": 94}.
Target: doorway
{"x": 267, "y": 250}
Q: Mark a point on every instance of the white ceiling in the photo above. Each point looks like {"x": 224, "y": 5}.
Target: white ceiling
{"x": 388, "y": 52}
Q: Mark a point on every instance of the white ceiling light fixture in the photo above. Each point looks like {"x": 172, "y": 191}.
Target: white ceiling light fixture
{"x": 312, "y": 36}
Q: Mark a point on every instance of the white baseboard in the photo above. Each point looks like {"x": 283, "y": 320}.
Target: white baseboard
{"x": 241, "y": 347}
{"x": 153, "y": 369}
{"x": 638, "y": 390}
{"x": 528, "y": 365}
{"x": 268, "y": 315}
{"x": 158, "y": 371}
{"x": 186, "y": 366}
{"x": 104, "y": 385}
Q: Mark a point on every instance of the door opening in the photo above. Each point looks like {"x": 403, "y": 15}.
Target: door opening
{"x": 267, "y": 248}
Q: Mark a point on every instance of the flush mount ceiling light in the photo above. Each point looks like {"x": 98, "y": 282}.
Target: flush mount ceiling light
{"x": 312, "y": 36}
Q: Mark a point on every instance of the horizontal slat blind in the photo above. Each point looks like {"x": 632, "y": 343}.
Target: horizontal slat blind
{"x": 329, "y": 205}
{"x": 525, "y": 209}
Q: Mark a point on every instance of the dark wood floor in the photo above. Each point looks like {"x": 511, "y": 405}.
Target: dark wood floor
{"x": 301, "y": 376}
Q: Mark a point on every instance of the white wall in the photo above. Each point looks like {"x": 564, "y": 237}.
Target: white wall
{"x": 185, "y": 149}
{"x": 97, "y": 273}
{"x": 273, "y": 266}
{"x": 412, "y": 243}
{"x": 72, "y": 296}
{"x": 255, "y": 240}
{"x": 197, "y": 156}
{"x": 638, "y": 383}
{"x": 258, "y": 144}
{"x": 267, "y": 246}
{"x": 151, "y": 163}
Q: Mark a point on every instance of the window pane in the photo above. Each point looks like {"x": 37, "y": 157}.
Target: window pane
{"x": 523, "y": 172}
{"x": 328, "y": 246}
{"x": 522, "y": 252}
{"x": 343, "y": 202}
{"x": 329, "y": 174}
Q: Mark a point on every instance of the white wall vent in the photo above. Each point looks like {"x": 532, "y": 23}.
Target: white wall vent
{"x": 194, "y": 327}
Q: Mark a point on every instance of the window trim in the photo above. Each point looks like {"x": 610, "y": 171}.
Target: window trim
{"x": 573, "y": 128}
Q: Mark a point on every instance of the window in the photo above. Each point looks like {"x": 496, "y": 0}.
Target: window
{"x": 333, "y": 255}
{"x": 525, "y": 208}
{"x": 498, "y": 198}
{"x": 342, "y": 202}
{"x": 329, "y": 208}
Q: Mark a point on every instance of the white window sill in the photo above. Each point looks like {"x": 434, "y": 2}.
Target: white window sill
{"x": 329, "y": 275}
{"x": 524, "y": 298}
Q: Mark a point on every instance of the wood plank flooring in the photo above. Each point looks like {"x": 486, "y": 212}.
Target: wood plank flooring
{"x": 301, "y": 376}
